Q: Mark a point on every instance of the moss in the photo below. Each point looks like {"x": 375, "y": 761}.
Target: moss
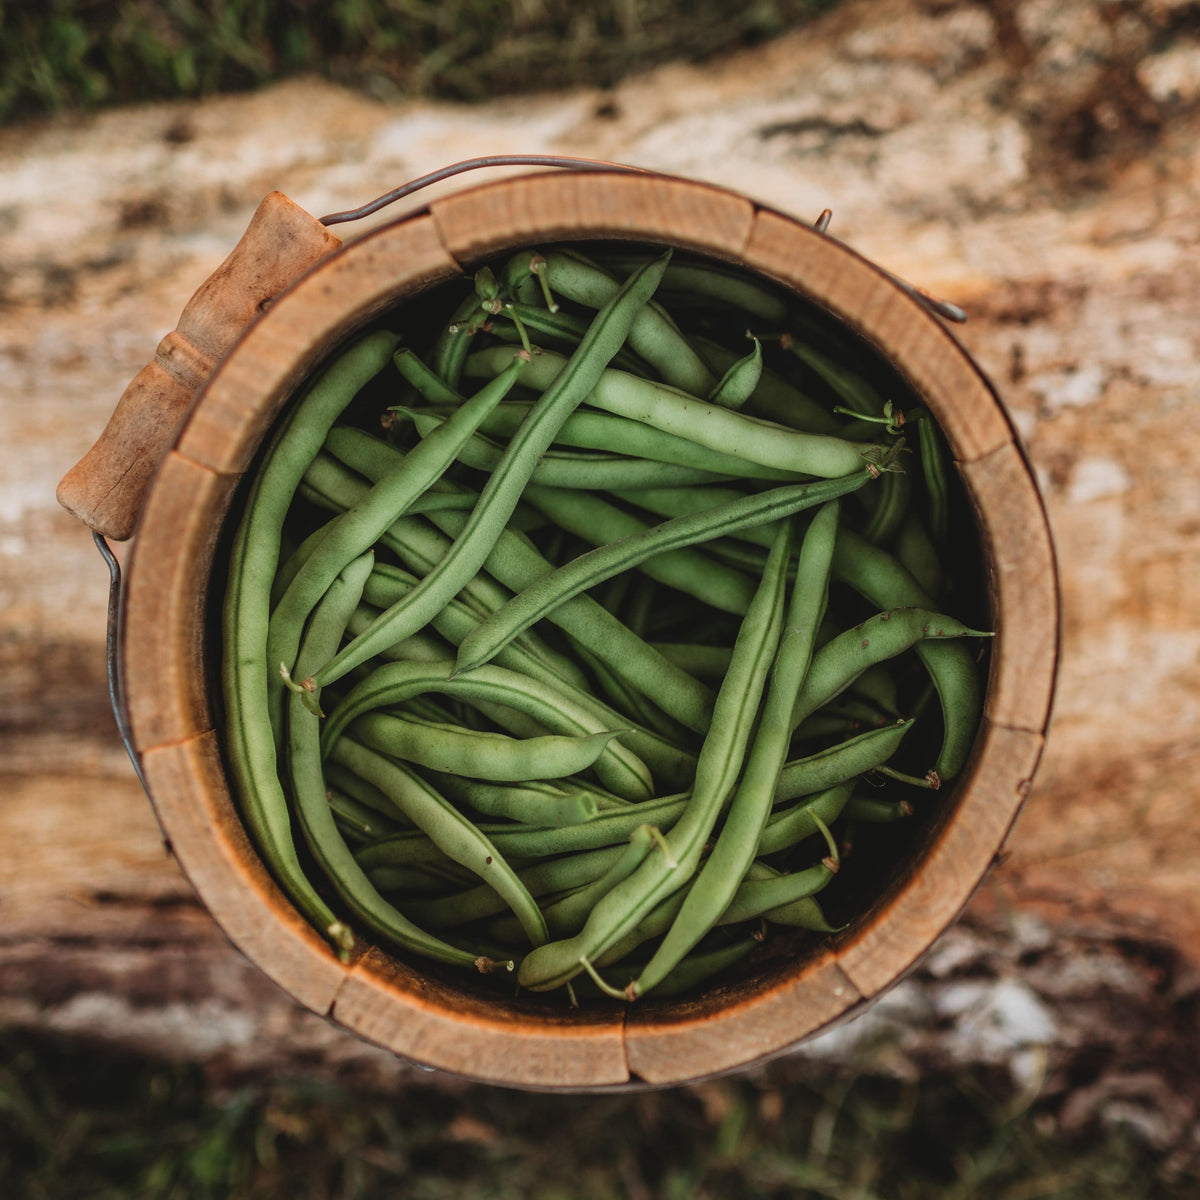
{"x": 83, "y": 53}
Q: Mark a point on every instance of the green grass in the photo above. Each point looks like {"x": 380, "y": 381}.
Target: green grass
{"x": 79, "y": 1123}
{"x": 82, "y": 53}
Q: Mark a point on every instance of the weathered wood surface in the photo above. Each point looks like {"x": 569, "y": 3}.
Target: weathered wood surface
{"x": 1033, "y": 162}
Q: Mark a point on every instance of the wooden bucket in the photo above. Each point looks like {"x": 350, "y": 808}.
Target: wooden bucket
{"x": 201, "y": 449}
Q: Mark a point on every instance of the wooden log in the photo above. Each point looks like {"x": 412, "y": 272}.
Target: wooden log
{"x": 1082, "y": 308}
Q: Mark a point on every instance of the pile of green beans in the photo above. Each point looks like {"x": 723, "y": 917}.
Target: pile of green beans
{"x": 570, "y": 634}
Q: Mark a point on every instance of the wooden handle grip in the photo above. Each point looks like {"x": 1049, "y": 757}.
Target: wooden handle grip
{"x": 105, "y": 489}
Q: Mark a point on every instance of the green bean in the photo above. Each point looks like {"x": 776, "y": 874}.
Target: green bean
{"x": 786, "y": 827}
{"x": 932, "y": 445}
{"x": 834, "y": 764}
{"x": 620, "y": 770}
{"x": 573, "y": 469}
{"x": 877, "y": 686}
{"x": 642, "y": 603}
{"x": 543, "y": 878}
{"x": 708, "y": 283}
{"x": 747, "y": 903}
{"x": 739, "y": 381}
{"x": 431, "y": 386}
{"x": 775, "y": 399}
{"x": 679, "y": 413}
{"x": 308, "y": 782}
{"x": 602, "y": 524}
{"x": 874, "y": 810}
{"x": 491, "y": 756}
{"x": 417, "y": 880}
{"x": 606, "y": 829}
{"x": 883, "y": 581}
{"x": 453, "y": 344}
{"x": 364, "y": 820}
{"x": 453, "y": 623}
{"x": 914, "y": 550}
{"x": 603, "y": 562}
{"x": 803, "y": 914}
{"x": 756, "y": 897}
{"x": 605, "y": 336}
{"x": 588, "y": 430}
{"x": 838, "y": 663}
{"x": 564, "y": 331}
{"x": 683, "y": 698}
{"x": 421, "y": 646}
{"x": 567, "y": 914}
{"x": 249, "y": 742}
{"x": 451, "y": 832}
{"x": 700, "y": 966}
{"x": 719, "y": 764}
{"x": 849, "y": 386}
{"x": 366, "y": 795}
{"x": 892, "y": 499}
{"x": 652, "y": 335}
{"x": 737, "y": 843}
{"x": 705, "y": 662}
{"x": 537, "y": 803}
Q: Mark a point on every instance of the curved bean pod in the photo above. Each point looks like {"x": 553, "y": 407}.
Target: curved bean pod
{"x": 447, "y": 828}
{"x": 685, "y": 416}
{"x": 566, "y": 469}
{"x": 839, "y": 662}
{"x": 593, "y": 430}
{"x": 606, "y": 561}
{"x": 876, "y": 575}
{"x": 249, "y": 741}
{"x": 604, "y": 338}
{"x": 324, "y": 839}
{"x": 737, "y": 842}
{"x": 538, "y": 804}
{"x": 653, "y": 334}
{"x": 719, "y": 764}
{"x": 490, "y": 756}
{"x": 620, "y": 770}
{"x": 788, "y": 826}
{"x": 739, "y": 381}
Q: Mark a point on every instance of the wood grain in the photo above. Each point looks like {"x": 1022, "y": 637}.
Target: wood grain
{"x": 480, "y": 1034}
{"x": 170, "y": 641}
{"x": 106, "y": 488}
{"x": 1082, "y": 282}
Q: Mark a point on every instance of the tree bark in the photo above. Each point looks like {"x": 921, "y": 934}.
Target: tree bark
{"x": 1034, "y": 164}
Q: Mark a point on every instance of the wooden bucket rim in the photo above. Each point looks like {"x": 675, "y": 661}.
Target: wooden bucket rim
{"x": 393, "y": 1004}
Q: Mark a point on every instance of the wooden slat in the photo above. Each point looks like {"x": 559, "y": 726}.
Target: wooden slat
{"x": 165, "y": 603}
{"x": 502, "y": 217}
{"x": 351, "y": 288}
{"x": 736, "y": 1025}
{"x": 920, "y": 906}
{"x": 480, "y": 1036}
{"x": 915, "y": 343}
{"x": 1024, "y": 587}
{"x": 195, "y": 809}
